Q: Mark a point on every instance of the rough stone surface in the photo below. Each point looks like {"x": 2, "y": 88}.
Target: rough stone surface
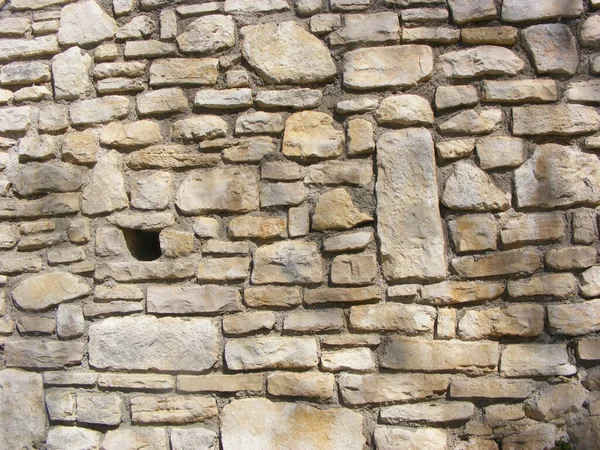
{"x": 478, "y": 61}
{"x": 44, "y": 291}
{"x": 521, "y": 360}
{"x": 288, "y": 262}
{"x": 271, "y": 353}
{"x": 552, "y": 47}
{"x": 208, "y": 34}
{"x": 85, "y": 24}
{"x": 335, "y": 210}
{"x": 282, "y": 423}
{"x": 311, "y": 135}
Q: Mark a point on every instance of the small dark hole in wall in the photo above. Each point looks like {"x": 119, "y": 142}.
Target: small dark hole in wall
{"x": 143, "y": 245}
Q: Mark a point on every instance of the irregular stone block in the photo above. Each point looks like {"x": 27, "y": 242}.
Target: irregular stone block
{"x": 270, "y": 353}
{"x": 131, "y": 135}
{"x": 472, "y": 233}
{"x": 354, "y": 269}
{"x": 272, "y": 296}
{"x": 342, "y": 295}
{"x": 530, "y": 10}
{"x": 223, "y": 189}
{"x": 192, "y": 299}
{"x": 161, "y": 101}
{"x": 489, "y": 388}
{"x": 282, "y": 423}
{"x": 44, "y": 354}
{"x": 409, "y": 222}
{"x": 136, "y": 381}
{"x": 472, "y": 122}
{"x": 410, "y": 319}
{"x": 105, "y": 192}
{"x": 251, "y": 6}
{"x": 292, "y": 98}
{"x": 148, "y": 438}
{"x": 455, "y": 96}
{"x": 44, "y": 291}
{"x": 465, "y": 11}
{"x": 307, "y": 384}
{"x": 570, "y": 258}
{"x": 42, "y": 178}
{"x": 556, "y": 402}
{"x": 316, "y": 321}
{"x": 174, "y": 409}
{"x": 499, "y": 152}
{"x": 244, "y": 323}
{"x": 404, "y": 110}
{"x": 288, "y": 262}
{"x": 223, "y": 269}
{"x": 99, "y": 409}
{"x": 311, "y": 134}
{"x": 536, "y": 360}
{"x": 99, "y": 110}
{"x": 15, "y": 120}
{"x": 552, "y": 47}
{"x": 24, "y": 73}
{"x": 208, "y": 34}
{"x": 285, "y": 53}
{"x": 70, "y": 71}
{"x": 396, "y": 66}
{"x": 367, "y": 29}
{"x": 535, "y": 228}
{"x": 429, "y": 413}
{"x": 170, "y": 157}
{"x": 430, "y": 356}
{"x": 199, "y": 128}
{"x": 500, "y": 263}
{"x": 335, "y": 210}
{"x": 10, "y": 49}
{"x": 561, "y": 120}
{"x": 193, "y": 439}
{"x": 224, "y": 98}
{"x": 73, "y": 437}
{"x": 479, "y": 61}
{"x": 85, "y": 24}
{"x": 254, "y": 227}
{"x": 574, "y": 319}
{"x": 525, "y": 91}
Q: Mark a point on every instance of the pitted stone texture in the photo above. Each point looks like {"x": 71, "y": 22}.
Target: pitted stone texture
{"x": 70, "y": 71}
{"x": 396, "y": 66}
{"x": 558, "y": 176}
{"x": 22, "y": 409}
{"x": 283, "y": 425}
{"x": 285, "y": 53}
{"x": 184, "y": 72}
{"x": 44, "y": 291}
{"x": 409, "y": 222}
{"x": 470, "y": 189}
{"x": 255, "y": 6}
{"x": 208, "y": 34}
{"x": 559, "y": 120}
{"x": 199, "y": 128}
{"x": 288, "y": 262}
{"x": 556, "y": 402}
{"x": 130, "y": 135}
{"x": 335, "y": 210}
{"x": 311, "y": 134}
{"x": 144, "y": 343}
{"x": 222, "y": 189}
{"x": 531, "y": 10}
{"x": 105, "y": 191}
{"x": 85, "y": 24}
{"x": 271, "y": 353}
{"x": 552, "y": 47}
{"x": 479, "y": 61}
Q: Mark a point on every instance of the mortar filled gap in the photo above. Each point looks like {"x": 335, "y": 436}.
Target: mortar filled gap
{"x": 143, "y": 245}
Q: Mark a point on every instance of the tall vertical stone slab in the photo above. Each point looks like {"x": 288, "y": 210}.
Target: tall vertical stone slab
{"x": 408, "y": 215}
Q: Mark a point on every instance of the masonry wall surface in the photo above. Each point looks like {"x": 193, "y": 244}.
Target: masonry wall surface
{"x": 333, "y": 224}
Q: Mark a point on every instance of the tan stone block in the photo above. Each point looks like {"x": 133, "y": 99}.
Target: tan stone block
{"x": 557, "y": 285}
{"x": 342, "y": 295}
{"x": 410, "y": 319}
{"x": 458, "y": 292}
{"x": 304, "y": 384}
{"x": 174, "y": 409}
{"x": 527, "y": 360}
{"x": 252, "y": 382}
{"x": 354, "y": 269}
{"x": 525, "y": 320}
{"x": 500, "y": 263}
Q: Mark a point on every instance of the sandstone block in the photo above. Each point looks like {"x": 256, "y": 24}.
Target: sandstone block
{"x": 570, "y": 258}
{"x": 353, "y": 269}
{"x": 247, "y": 6}
{"x": 199, "y": 128}
{"x": 288, "y": 262}
{"x": 234, "y": 269}
{"x": 42, "y": 178}
{"x": 558, "y": 285}
{"x": 223, "y": 99}
{"x": 396, "y": 66}
{"x": 174, "y": 409}
{"x": 552, "y": 47}
{"x": 304, "y": 384}
{"x": 44, "y": 291}
{"x": 350, "y": 172}
{"x": 184, "y": 72}
{"x": 321, "y": 320}
{"x": 131, "y": 135}
{"x": 387, "y": 438}
{"x": 18, "y": 73}
{"x": 259, "y": 123}
{"x": 270, "y": 353}
{"x": 500, "y": 263}
{"x": 588, "y": 349}
{"x": 429, "y": 413}
{"x": 192, "y": 299}
{"x": 105, "y": 192}
{"x": 458, "y": 292}
{"x": 409, "y": 319}
{"x": 367, "y": 29}
{"x": 465, "y": 11}
{"x": 555, "y": 402}
{"x": 70, "y": 71}
{"x": 161, "y": 101}
{"x": 490, "y": 35}
{"x": 406, "y": 166}
{"x": 193, "y": 438}
{"x": 455, "y": 96}
{"x": 541, "y": 360}
{"x": 282, "y": 194}
{"x": 73, "y": 437}
{"x": 404, "y": 110}
{"x": 574, "y": 319}
{"x": 138, "y": 382}
{"x": 342, "y": 295}
{"x": 353, "y": 359}
{"x": 99, "y": 110}
{"x": 208, "y": 34}
{"x": 336, "y": 210}
{"x": 499, "y": 152}
{"x": 472, "y": 122}
{"x": 285, "y": 53}
{"x": 99, "y": 409}
{"x": 44, "y": 354}
{"x": 525, "y": 320}
{"x": 360, "y": 137}
{"x": 148, "y": 438}
{"x": 292, "y": 98}
{"x": 220, "y": 383}
{"x": 479, "y": 61}
{"x": 244, "y": 323}
{"x": 522, "y": 11}
{"x": 517, "y": 91}
{"x": 283, "y": 422}
{"x": 272, "y": 296}
{"x": 85, "y": 24}
{"x": 489, "y": 388}
{"x": 145, "y": 342}
{"x": 311, "y": 134}
{"x": 472, "y": 233}
{"x": 535, "y": 228}
{"x": 28, "y": 48}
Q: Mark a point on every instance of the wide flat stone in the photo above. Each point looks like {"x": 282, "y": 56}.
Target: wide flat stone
{"x": 145, "y": 343}
{"x": 99, "y": 110}
{"x": 561, "y": 120}
{"x": 395, "y": 66}
{"x": 288, "y": 262}
{"x": 498, "y": 263}
{"x": 175, "y": 409}
{"x": 409, "y": 319}
{"x": 482, "y": 60}
{"x": 208, "y": 34}
{"x": 282, "y": 425}
{"x": 552, "y": 47}
{"x": 22, "y": 409}
{"x": 73, "y": 437}
{"x": 184, "y": 72}
{"x": 536, "y": 360}
{"x": 558, "y": 176}
{"x": 271, "y": 353}
{"x": 387, "y": 438}
{"x": 29, "y": 72}
{"x": 367, "y": 29}
{"x": 530, "y": 10}
{"x": 575, "y": 319}
{"x": 458, "y": 292}
{"x": 11, "y": 49}
{"x": 192, "y": 299}
{"x": 135, "y": 438}
{"x": 43, "y": 178}
{"x": 43, "y": 291}
{"x": 222, "y": 189}
{"x": 408, "y": 217}
{"x": 524, "y": 320}
{"x": 285, "y": 53}
{"x": 145, "y": 270}
{"x": 428, "y": 412}
{"x": 42, "y": 354}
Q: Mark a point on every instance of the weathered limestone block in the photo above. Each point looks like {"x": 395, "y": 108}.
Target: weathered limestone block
{"x": 536, "y": 360}
{"x": 285, "y": 53}
{"x": 143, "y": 271}
{"x": 552, "y": 47}
{"x": 569, "y": 258}
{"x": 223, "y": 189}
{"x": 555, "y": 402}
{"x": 22, "y": 409}
{"x": 472, "y": 122}
{"x": 42, "y": 354}
{"x": 170, "y": 157}
{"x": 384, "y": 388}
{"x": 80, "y": 148}
{"x": 304, "y": 384}
{"x": 354, "y": 359}
{"x": 590, "y": 32}
{"x": 53, "y": 117}
{"x": 224, "y": 98}
{"x": 472, "y": 233}
{"x": 148, "y": 49}
{"x": 192, "y": 299}
{"x": 316, "y": 321}
{"x": 387, "y": 438}
{"x": 70, "y": 71}
{"x": 42, "y": 178}
{"x": 455, "y": 96}
{"x": 554, "y": 120}
{"x": 85, "y": 24}
{"x": 208, "y": 34}
{"x": 493, "y": 35}
{"x": 530, "y": 10}
{"x": 271, "y": 353}
{"x": 73, "y": 437}
{"x": 342, "y": 295}
{"x": 574, "y": 319}
{"x": 99, "y": 110}
{"x": 288, "y": 262}
{"x": 360, "y": 137}
{"x": 431, "y": 356}
{"x": 199, "y": 128}
{"x": 220, "y": 383}
{"x": 257, "y": 6}
{"x": 184, "y": 72}
{"x": 479, "y": 61}
{"x": 140, "y": 27}
{"x": 500, "y": 263}
{"x": 145, "y": 342}
{"x": 175, "y": 409}
{"x": 251, "y": 150}
{"x": 161, "y": 101}
{"x": 235, "y": 269}
{"x": 557, "y": 285}
{"x": 272, "y": 296}
{"x": 459, "y": 292}
{"x": 18, "y": 73}
{"x": 489, "y": 388}
{"x": 354, "y": 269}
{"x": 36, "y": 148}
{"x": 193, "y": 439}
{"x": 99, "y": 409}
{"x": 282, "y": 194}
{"x": 409, "y": 319}
{"x": 397, "y": 66}
{"x": 134, "y": 438}
{"x": 244, "y": 323}
{"x": 574, "y": 180}
{"x": 291, "y": 98}
{"x": 279, "y": 424}
{"x": 28, "y": 48}
{"x": 44, "y": 291}
{"x": 144, "y": 382}
{"x": 465, "y": 11}
{"x": 335, "y": 210}
{"x": 130, "y": 135}
{"x": 15, "y": 120}
{"x": 588, "y": 349}
{"x": 469, "y": 188}
{"x": 455, "y": 149}
{"x": 525, "y": 320}
{"x": 311, "y": 134}
{"x": 585, "y": 228}
{"x": 534, "y": 228}
{"x": 151, "y": 191}
{"x": 254, "y": 227}
{"x": 520, "y": 91}
{"x": 404, "y": 110}
{"x": 367, "y": 29}
{"x": 105, "y": 192}
{"x": 497, "y": 152}
{"x": 339, "y": 172}
{"x": 409, "y": 222}
{"x": 428, "y": 412}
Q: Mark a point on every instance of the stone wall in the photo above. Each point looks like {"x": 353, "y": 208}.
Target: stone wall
{"x": 338, "y": 225}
